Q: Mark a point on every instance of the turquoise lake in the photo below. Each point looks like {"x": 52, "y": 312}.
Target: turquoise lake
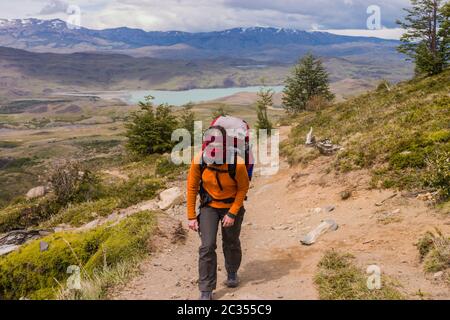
{"x": 176, "y": 98}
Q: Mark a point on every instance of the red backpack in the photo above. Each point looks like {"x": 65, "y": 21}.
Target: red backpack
{"x": 235, "y": 134}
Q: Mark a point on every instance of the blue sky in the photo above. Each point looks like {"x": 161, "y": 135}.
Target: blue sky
{"x": 347, "y": 16}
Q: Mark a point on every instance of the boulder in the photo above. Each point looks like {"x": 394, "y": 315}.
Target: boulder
{"x": 8, "y": 248}
{"x": 326, "y": 147}
{"x": 326, "y": 209}
{"x": 324, "y": 227}
{"x": 345, "y": 195}
{"x": 19, "y": 237}
{"x": 13, "y": 240}
{"x": 37, "y": 192}
{"x": 148, "y": 205}
{"x": 43, "y": 246}
{"x": 169, "y": 198}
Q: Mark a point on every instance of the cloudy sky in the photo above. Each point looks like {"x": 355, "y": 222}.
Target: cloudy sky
{"x": 346, "y": 16}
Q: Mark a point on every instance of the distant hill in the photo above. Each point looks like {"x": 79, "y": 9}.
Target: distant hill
{"x": 254, "y": 43}
{"x": 25, "y": 74}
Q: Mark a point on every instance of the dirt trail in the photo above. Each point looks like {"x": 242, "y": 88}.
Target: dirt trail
{"x": 275, "y": 265}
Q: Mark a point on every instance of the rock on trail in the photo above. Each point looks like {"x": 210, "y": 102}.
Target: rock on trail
{"x": 324, "y": 227}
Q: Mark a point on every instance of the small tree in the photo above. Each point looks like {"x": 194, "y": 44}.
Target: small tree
{"x": 219, "y": 112}
{"x": 426, "y": 41}
{"x": 444, "y": 33}
{"x": 187, "y": 118}
{"x": 309, "y": 79}
{"x": 150, "y": 130}
{"x": 265, "y": 100}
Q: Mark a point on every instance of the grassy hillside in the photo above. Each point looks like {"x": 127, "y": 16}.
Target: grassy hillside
{"x": 400, "y": 133}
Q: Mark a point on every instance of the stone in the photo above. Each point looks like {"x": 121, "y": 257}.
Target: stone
{"x": 324, "y": 227}
{"x": 326, "y": 147}
{"x": 169, "y": 198}
{"x": 379, "y": 204}
{"x": 438, "y": 275}
{"x": 18, "y": 237}
{"x": 5, "y": 249}
{"x": 89, "y": 226}
{"x": 345, "y": 195}
{"x": 37, "y": 192}
{"x": 43, "y": 246}
{"x": 326, "y": 209}
{"x": 148, "y": 205}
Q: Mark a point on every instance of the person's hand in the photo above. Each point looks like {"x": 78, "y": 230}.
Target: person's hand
{"x": 227, "y": 221}
{"x": 193, "y": 225}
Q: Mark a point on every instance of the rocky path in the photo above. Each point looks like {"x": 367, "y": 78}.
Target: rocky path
{"x": 280, "y": 212}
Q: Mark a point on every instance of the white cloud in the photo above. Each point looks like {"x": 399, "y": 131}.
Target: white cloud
{"x": 385, "y": 33}
{"x": 54, "y": 6}
{"x": 207, "y": 15}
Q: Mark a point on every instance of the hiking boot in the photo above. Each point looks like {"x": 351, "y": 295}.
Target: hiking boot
{"x": 206, "y": 295}
{"x": 232, "y": 280}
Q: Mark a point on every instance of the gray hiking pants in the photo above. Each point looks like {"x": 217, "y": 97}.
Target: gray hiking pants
{"x": 209, "y": 220}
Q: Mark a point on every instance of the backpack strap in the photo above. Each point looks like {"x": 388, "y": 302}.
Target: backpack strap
{"x": 217, "y": 171}
{"x": 205, "y": 197}
{"x": 232, "y": 168}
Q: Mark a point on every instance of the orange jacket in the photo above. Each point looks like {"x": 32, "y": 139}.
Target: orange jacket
{"x": 231, "y": 189}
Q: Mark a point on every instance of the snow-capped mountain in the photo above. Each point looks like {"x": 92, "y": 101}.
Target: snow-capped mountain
{"x": 260, "y": 42}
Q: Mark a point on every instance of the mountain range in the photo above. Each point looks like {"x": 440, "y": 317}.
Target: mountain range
{"x": 38, "y": 57}
{"x": 256, "y": 43}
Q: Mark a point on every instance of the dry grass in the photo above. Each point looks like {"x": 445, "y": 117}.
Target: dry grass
{"x": 339, "y": 279}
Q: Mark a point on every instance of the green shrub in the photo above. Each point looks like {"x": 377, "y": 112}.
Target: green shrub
{"x": 135, "y": 190}
{"x": 79, "y": 214}
{"x": 408, "y": 159}
{"x": 150, "y": 131}
{"x": 9, "y": 144}
{"x": 166, "y": 168}
{"x": 187, "y": 119}
{"x": 14, "y": 164}
{"x": 437, "y": 175}
{"x": 26, "y": 214}
{"x": 72, "y": 182}
{"x": 31, "y": 273}
{"x": 98, "y": 145}
{"x": 434, "y": 251}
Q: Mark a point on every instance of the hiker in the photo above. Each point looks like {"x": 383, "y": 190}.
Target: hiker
{"x": 221, "y": 176}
